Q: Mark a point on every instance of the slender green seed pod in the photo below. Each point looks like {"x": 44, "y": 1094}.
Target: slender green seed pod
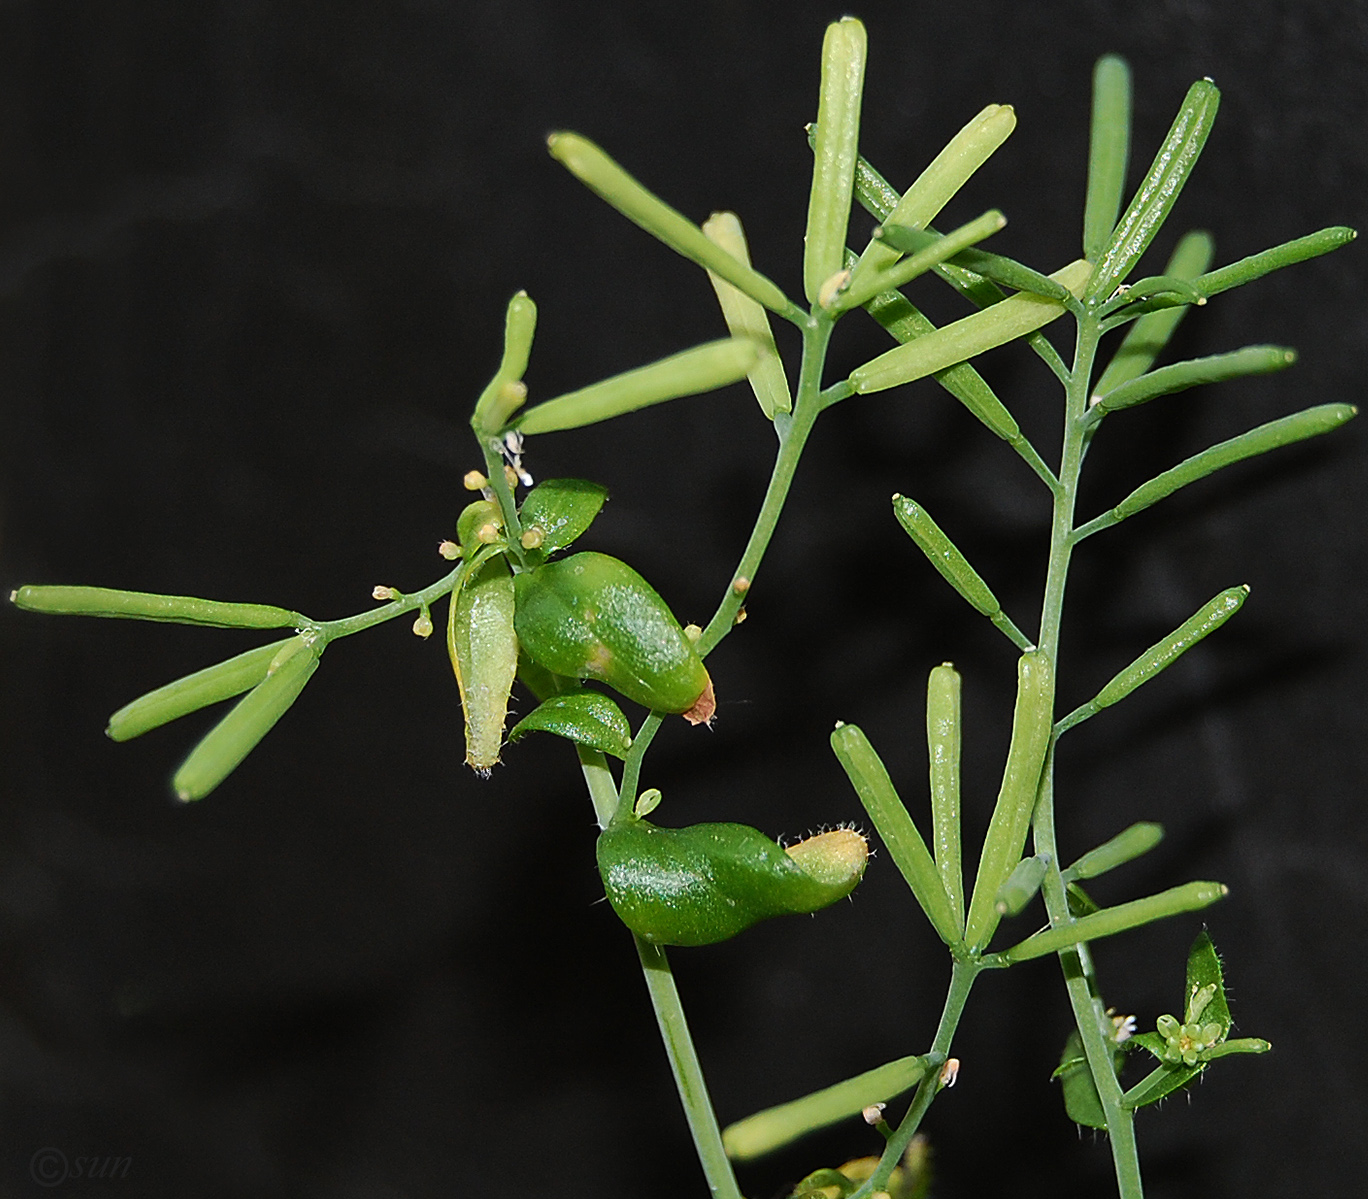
{"x": 1021, "y": 885}
{"x": 1151, "y": 333}
{"x": 917, "y": 207}
{"x": 870, "y": 779}
{"x": 1166, "y": 289}
{"x": 141, "y": 605}
{"x": 1206, "y": 620}
{"x": 1127, "y": 845}
{"x": 776, "y": 1127}
{"x": 592, "y": 616}
{"x": 587, "y": 718}
{"x": 1311, "y": 422}
{"x": 504, "y": 394}
{"x": 944, "y": 555}
{"x": 1168, "y": 380}
{"x": 943, "y": 753}
{"x": 747, "y": 318}
{"x": 1032, "y": 722}
{"x": 1187, "y": 898}
{"x": 844, "y": 49}
{"x": 1256, "y": 266}
{"x": 703, "y": 368}
{"x": 251, "y": 718}
{"x": 997, "y": 268}
{"x": 964, "y": 338}
{"x": 193, "y": 692}
{"x": 603, "y": 176}
{"x": 936, "y": 251}
{"x": 1108, "y": 152}
{"x": 708, "y": 882}
{"x": 1160, "y": 190}
{"x": 484, "y": 655}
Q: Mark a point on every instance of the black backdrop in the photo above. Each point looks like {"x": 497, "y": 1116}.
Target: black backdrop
{"x": 254, "y": 264}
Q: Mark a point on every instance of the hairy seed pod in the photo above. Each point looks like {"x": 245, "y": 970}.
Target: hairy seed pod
{"x": 484, "y": 655}
{"x": 590, "y": 616}
{"x": 708, "y": 882}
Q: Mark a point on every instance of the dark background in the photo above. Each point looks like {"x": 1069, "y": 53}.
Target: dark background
{"x": 254, "y": 264}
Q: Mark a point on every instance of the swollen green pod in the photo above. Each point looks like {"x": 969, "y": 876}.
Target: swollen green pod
{"x": 1032, "y": 721}
{"x": 252, "y": 717}
{"x": 142, "y": 605}
{"x": 193, "y": 692}
{"x": 590, "y": 616}
{"x": 708, "y": 882}
{"x": 484, "y": 654}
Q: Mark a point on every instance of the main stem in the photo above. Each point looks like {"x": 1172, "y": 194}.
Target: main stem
{"x": 1097, "y": 1044}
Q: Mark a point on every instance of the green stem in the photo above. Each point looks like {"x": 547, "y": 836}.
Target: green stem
{"x": 631, "y": 767}
{"x": 498, "y": 483}
{"x": 330, "y": 630}
{"x": 962, "y": 976}
{"x": 599, "y": 779}
{"x": 688, "y": 1074}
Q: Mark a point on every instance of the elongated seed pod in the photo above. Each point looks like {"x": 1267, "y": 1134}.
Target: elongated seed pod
{"x": 1187, "y": 898}
{"x": 837, "y": 139}
{"x": 1108, "y": 152}
{"x": 917, "y": 207}
{"x": 1127, "y": 845}
{"x": 872, "y": 784}
{"x": 1007, "y": 272}
{"x": 1021, "y": 885}
{"x": 1168, "y": 380}
{"x": 944, "y": 555}
{"x": 193, "y": 692}
{"x": 747, "y": 318}
{"x": 943, "y": 753}
{"x": 1290, "y": 429}
{"x": 141, "y": 605}
{"x": 777, "y": 1126}
{"x": 1032, "y": 721}
{"x": 964, "y": 338}
{"x": 592, "y": 616}
{"x": 703, "y": 368}
{"x": 484, "y": 655}
{"x": 603, "y": 176}
{"x": 1206, "y": 620}
{"x": 251, "y": 718}
{"x": 708, "y": 882}
{"x": 501, "y": 397}
{"x": 1158, "y": 193}
{"x": 1150, "y": 333}
{"x": 1289, "y": 253}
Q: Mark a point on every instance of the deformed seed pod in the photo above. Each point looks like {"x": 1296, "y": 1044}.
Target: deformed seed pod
{"x": 590, "y": 616}
{"x": 141, "y": 605}
{"x": 484, "y": 654}
{"x": 708, "y": 882}
{"x": 586, "y": 717}
{"x": 193, "y": 692}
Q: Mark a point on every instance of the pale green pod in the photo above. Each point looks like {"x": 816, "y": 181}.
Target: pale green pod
{"x": 1008, "y": 272}
{"x": 1108, "y": 152}
{"x": 917, "y": 207}
{"x": 1151, "y": 333}
{"x": 1215, "y": 368}
{"x": 943, "y": 753}
{"x": 844, "y": 50}
{"x": 504, "y": 396}
{"x": 747, "y": 318}
{"x": 141, "y": 605}
{"x": 1158, "y": 193}
{"x": 703, "y": 368}
{"x": 1021, "y": 885}
{"x": 936, "y": 250}
{"x": 776, "y": 1127}
{"x": 1206, "y": 620}
{"x": 603, "y": 176}
{"x": 484, "y": 654}
{"x": 905, "y": 846}
{"x": 1032, "y": 722}
{"x": 251, "y": 718}
{"x": 944, "y": 555}
{"x": 1289, "y": 253}
{"x": 193, "y": 692}
{"x": 1311, "y": 422}
{"x": 1127, "y": 845}
{"x": 967, "y": 337}
{"x": 1189, "y": 897}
